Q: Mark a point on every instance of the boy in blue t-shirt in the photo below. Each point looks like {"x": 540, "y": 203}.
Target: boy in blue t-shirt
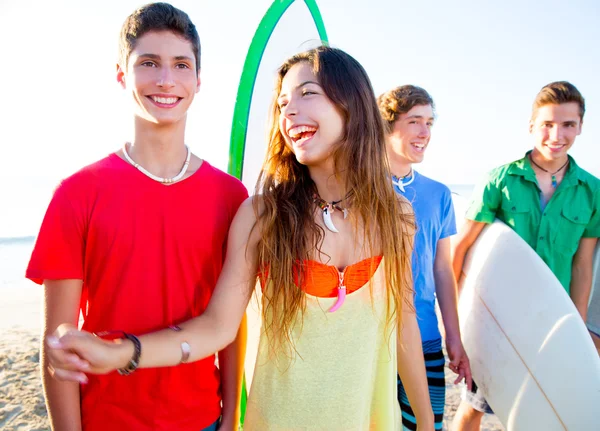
{"x": 408, "y": 113}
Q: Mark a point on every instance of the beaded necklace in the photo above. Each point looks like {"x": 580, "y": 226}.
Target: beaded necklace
{"x": 157, "y": 178}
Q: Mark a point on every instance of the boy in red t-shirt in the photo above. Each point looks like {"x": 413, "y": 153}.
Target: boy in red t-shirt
{"x": 136, "y": 242}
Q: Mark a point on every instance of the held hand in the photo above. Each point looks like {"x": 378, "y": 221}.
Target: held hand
{"x": 459, "y": 361}
{"x": 72, "y": 352}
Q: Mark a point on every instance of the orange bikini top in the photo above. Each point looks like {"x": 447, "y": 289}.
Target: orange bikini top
{"x": 322, "y": 280}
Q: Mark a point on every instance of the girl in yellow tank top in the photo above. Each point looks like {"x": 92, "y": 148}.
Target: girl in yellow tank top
{"x": 330, "y": 242}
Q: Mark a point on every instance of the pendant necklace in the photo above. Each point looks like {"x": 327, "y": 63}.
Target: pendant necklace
{"x": 328, "y": 208}
{"x": 399, "y": 182}
{"x": 341, "y": 293}
{"x": 554, "y": 182}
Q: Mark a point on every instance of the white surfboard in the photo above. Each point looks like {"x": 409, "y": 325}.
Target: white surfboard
{"x": 530, "y": 352}
{"x": 288, "y": 27}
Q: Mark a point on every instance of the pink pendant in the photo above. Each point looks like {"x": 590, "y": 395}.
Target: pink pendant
{"x": 340, "y": 299}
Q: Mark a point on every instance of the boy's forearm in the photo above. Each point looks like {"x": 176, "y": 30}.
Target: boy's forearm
{"x": 61, "y": 305}
{"x": 458, "y": 259}
{"x": 446, "y": 292}
{"x": 581, "y": 275}
{"x": 62, "y": 400}
{"x": 581, "y": 286}
{"x": 231, "y": 366}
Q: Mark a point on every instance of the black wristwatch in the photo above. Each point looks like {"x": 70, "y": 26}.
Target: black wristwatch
{"x": 135, "y": 359}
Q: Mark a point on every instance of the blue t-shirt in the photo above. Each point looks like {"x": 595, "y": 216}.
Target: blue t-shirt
{"x": 434, "y": 214}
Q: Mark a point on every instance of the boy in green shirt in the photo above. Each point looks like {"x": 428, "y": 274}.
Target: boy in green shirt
{"x": 548, "y": 200}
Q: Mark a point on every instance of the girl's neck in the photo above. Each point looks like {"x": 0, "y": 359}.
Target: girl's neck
{"x": 329, "y": 186}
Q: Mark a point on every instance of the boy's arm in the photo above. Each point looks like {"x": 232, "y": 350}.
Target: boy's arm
{"x": 61, "y": 305}
{"x": 581, "y": 275}
{"x": 445, "y": 289}
{"x": 231, "y": 366}
{"x": 596, "y": 341}
{"x": 464, "y": 240}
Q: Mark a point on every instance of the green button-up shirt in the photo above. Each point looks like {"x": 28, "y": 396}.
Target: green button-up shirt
{"x": 511, "y": 193}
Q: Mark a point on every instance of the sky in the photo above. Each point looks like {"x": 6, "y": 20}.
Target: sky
{"x": 483, "y": 62}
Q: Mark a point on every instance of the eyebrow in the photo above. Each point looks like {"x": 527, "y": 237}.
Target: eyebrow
{"x": 157, "y": 57}
{"x": 307, "y": 82}
{"x": 300, "y": 86}
{"x": 419, "y": 117}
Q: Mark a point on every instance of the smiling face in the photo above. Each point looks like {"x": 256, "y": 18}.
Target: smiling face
{"x": 161, "y": 77}
{"x": 555, "y": 128}
{"x": 411, "y": 133}
{"x": 309, "y": 122}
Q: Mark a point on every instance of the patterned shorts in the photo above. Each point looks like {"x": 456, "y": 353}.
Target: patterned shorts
{"x": 434, "y": 365}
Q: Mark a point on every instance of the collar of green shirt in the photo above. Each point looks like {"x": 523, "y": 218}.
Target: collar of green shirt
{"x": 523, "y": 168}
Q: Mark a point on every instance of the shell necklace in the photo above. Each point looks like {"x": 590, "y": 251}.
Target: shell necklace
{"x": 154, "y": 177}
{"x": 328, "y": 208}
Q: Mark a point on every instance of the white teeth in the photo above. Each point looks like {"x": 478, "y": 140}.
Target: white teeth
{"x": 165, "y": 100}
{"x": 294, "y": 132}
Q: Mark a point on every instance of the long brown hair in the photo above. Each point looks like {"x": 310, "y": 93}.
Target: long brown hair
{"x": 289, "y": 234}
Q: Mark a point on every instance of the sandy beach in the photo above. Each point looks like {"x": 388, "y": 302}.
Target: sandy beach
{"x": 21, "y": 401}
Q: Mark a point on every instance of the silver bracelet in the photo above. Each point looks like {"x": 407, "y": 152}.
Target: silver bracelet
{"x": 185, "y": 347}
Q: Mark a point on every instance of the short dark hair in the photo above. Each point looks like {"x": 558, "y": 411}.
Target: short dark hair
{"x": 156, "y": 17}
{"x": 400, "y": 100}
{"x": 557, "y": 93}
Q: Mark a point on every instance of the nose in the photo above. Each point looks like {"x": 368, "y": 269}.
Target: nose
{"x": 165, "y": 78}
{"x": 425, "y": 131}
{"x": 555, "y": 133}
{"x": 290, "y": 109}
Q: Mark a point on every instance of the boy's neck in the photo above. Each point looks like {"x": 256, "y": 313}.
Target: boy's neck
{"x": 159, "y": 149}
{"x": 549, "y": 165}
{"x": 399, "y": 166}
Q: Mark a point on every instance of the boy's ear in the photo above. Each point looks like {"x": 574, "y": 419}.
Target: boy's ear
{"x": 120, "y": 75}
{"x": 530, "y": 126}
{"x": 198, "y": 83}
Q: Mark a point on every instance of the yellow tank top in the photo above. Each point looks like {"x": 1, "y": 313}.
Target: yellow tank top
{"x": 342, "y": 376}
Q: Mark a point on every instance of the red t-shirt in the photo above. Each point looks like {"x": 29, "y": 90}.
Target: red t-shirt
{"x": 149, "y": 256}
